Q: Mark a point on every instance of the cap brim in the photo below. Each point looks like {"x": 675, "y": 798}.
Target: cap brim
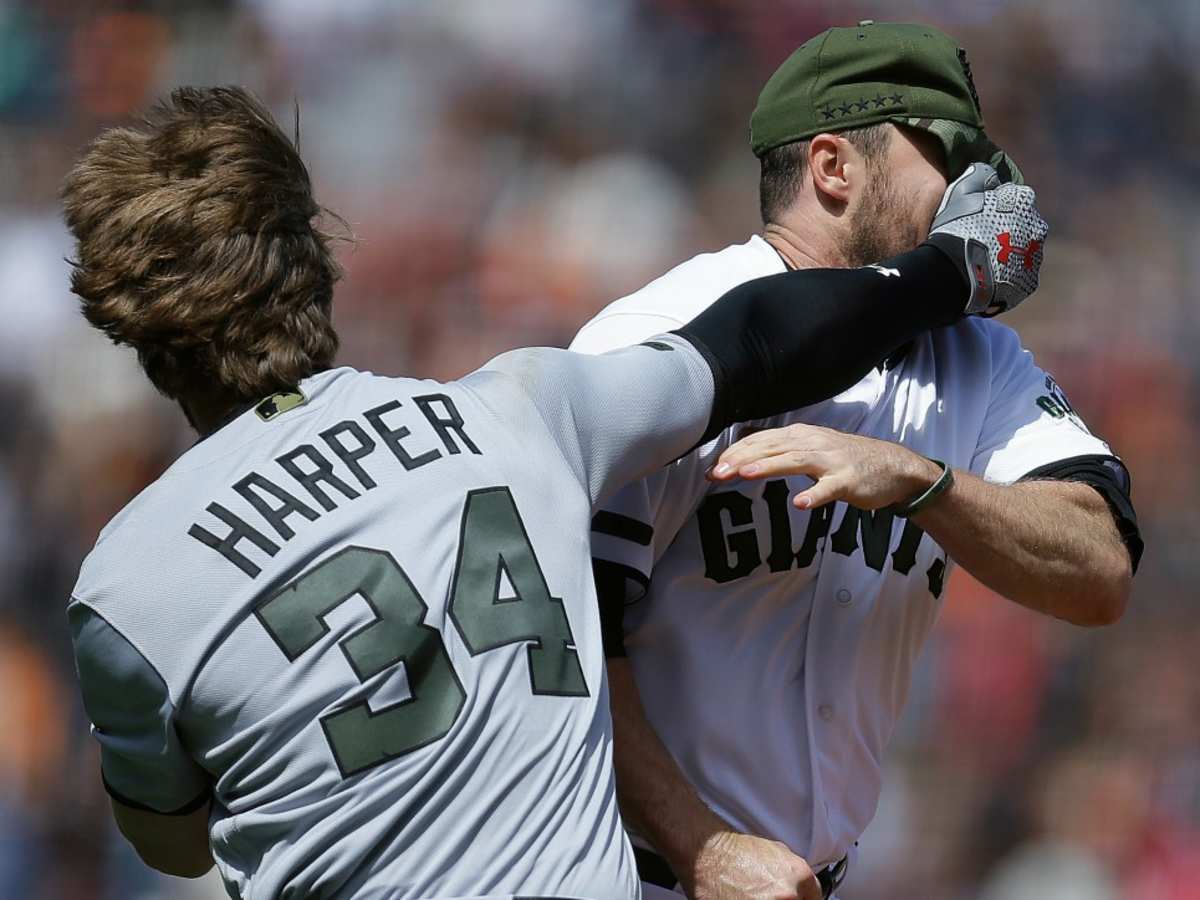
{"x": 965, "y": 144}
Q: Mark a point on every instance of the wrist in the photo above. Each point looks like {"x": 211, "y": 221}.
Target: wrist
{"x": 934, "y": 479}
{"x": 918, "y": 475}
{"x": 685, "y": 849}
{"x": 971, "y": 259}
{"x": 707, "y": 860}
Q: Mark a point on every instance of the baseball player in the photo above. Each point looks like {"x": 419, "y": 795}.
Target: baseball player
{"x": 765, "y": 598}
{"x": 348, "y": 644}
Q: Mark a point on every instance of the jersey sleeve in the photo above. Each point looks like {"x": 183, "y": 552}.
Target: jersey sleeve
{"x": 1029, "y": 421}
{"x": 142, "y": 761}
{"x": 614, "y": 417}
{"x": 622, "y": 329}
{"x": 632, "y": 529}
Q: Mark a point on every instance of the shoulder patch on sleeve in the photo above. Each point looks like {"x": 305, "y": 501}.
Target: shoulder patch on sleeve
{"x": 1054, "y": 403}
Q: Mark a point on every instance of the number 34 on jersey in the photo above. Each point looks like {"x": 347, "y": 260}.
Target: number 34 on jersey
{"x": 493, "y": 543}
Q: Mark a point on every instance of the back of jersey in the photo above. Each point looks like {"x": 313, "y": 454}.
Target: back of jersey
{"x": 363, "y": 616}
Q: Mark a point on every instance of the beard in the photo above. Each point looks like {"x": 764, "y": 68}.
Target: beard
{"x": 882, "y": 226}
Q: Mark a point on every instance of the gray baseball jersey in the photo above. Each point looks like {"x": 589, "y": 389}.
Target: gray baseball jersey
{"x": 773, "y": 647}
{"x": 361, "y": 619}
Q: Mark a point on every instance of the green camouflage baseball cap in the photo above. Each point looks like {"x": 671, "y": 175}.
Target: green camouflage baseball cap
{"x": 910, "y": 75}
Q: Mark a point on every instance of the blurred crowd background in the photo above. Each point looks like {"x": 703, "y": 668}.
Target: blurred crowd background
{"x": 510, "y": 166}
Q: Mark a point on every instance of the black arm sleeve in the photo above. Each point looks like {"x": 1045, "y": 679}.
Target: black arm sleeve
{"x": 782, "y": 342}
{"x": 1109, "y": 477}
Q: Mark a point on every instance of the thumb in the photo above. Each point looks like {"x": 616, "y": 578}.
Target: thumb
{"x": 824, "y": 490}
{"x": 964, "y": 195}
{"x": 810, "y": 888}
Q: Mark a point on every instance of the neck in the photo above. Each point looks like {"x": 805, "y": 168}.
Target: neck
{"x": 801, "y": 248}
{"x": 208, "y": 413}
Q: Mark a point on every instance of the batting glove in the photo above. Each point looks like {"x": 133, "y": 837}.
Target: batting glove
{"x": 996, "y": 236}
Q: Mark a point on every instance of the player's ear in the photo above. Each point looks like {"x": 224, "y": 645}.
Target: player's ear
{"x": 834, "y": 164}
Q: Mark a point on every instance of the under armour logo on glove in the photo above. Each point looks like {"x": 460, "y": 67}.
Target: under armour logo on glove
{"x": 980, "y": 225}
{"x": 886, "y": 273}
{"x": 1007, "y": 249}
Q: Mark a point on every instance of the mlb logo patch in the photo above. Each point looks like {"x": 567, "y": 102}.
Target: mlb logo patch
{"x": 277, "y": 404}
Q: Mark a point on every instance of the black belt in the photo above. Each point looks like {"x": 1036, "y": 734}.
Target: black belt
{"x": 654, "y": 869}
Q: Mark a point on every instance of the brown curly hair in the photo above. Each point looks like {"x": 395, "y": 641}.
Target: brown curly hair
{"x": 198, "y": 243}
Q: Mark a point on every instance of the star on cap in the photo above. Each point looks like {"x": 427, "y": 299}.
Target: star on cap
{"x": 827, "y": 112}
{"x": 897, "y": 98}
{"x": 880, "y": 100}
{"x": 845, "y": 108}
{"x": 861, "y": 104}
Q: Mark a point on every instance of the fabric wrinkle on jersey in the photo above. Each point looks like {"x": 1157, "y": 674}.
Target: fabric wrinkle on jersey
{"x": 201, "y": 671}
{"x": 774, "y": 647}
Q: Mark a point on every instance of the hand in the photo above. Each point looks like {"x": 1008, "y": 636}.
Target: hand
{"x": 996, "y": 236}
{"x": 862, "y": 471}
{"x": 734, "y": 866}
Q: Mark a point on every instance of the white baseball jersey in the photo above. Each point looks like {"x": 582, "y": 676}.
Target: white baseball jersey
{"x": 361, "y": 619}
{"x": 773, "y": 647}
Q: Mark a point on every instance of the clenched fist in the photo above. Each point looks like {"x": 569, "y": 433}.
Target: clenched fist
{"x": 996, "y": 236}
{"x": 734, "y": 866}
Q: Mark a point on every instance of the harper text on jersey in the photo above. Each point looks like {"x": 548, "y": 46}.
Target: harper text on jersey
{"x": 315, "y": 472}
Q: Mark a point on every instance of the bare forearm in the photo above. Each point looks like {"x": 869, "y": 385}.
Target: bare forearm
{"x": 656, "y": 799}
{"x": 1048, "y": 545}
{"x": 707, "y": 855}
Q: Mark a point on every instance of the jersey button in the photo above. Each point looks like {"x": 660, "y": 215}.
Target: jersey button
{"x": 844, "y": 596}
{"x": 825, "y": 711}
